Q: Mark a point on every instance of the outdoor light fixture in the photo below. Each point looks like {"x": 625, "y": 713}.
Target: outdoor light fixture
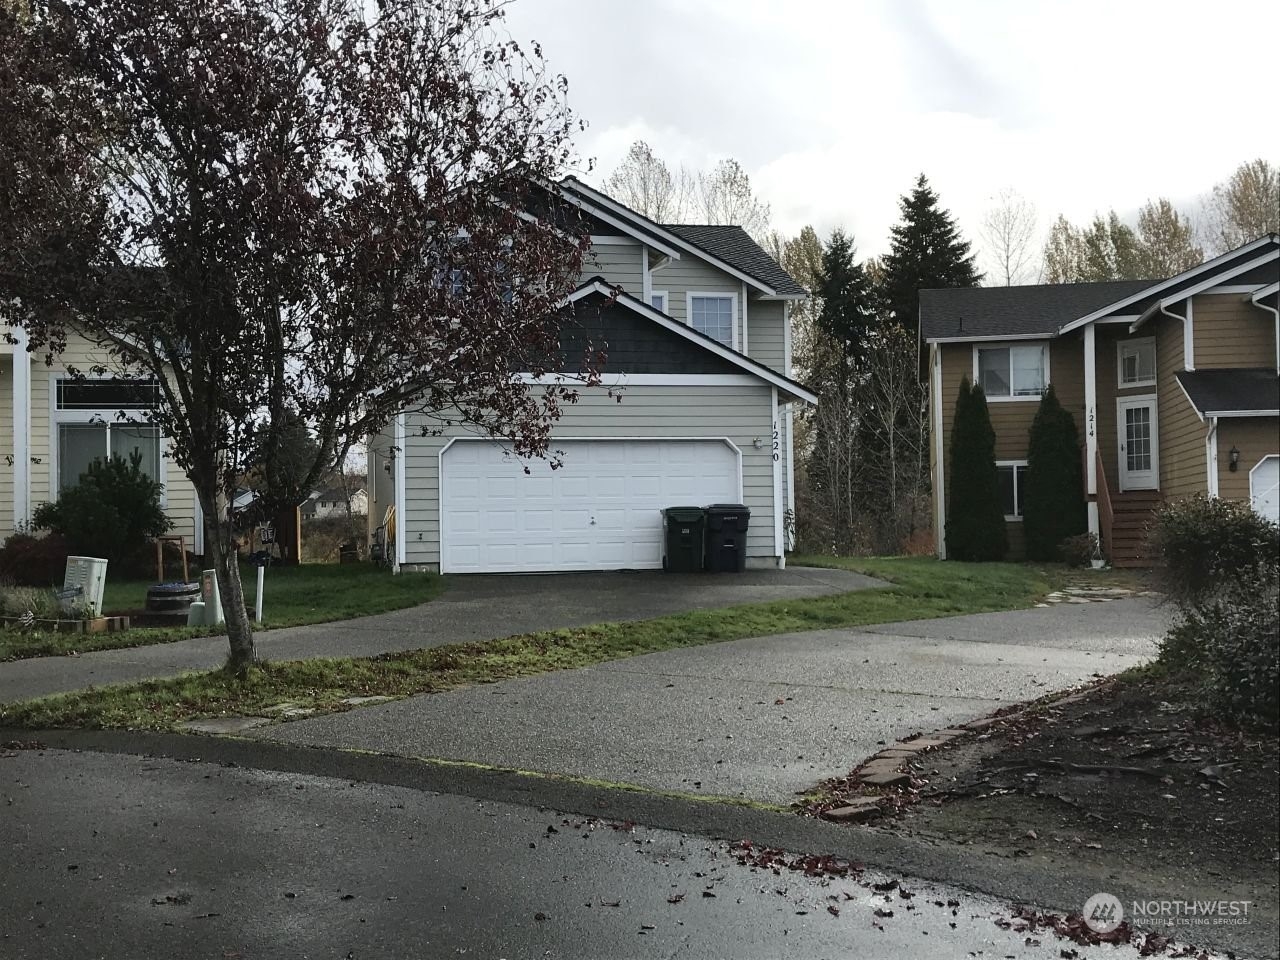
{"x": 1234, "y": 465}
{"x": 758, "y": 443}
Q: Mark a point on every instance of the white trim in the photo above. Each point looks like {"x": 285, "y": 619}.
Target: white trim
{"x": 1091, "y": 410}
{"x": 21, "y": 429}
{"x": 713, "y": 295}
{"x": 1135, "y": 400}
{"x": 646, "y": 379}
{"x": 779, "y": 536}
{"x": 1017, "y": 494}
{"x": 1257, "y": 302}
{"x": 940, "y": 478}
{"x": 1188, "y": 338}
{"x": 1194, "y": 408}
{"x": 991, "y": 339}
{"x": 440, "y": 500}
{"x": 666, "y": 300}
{"x": 1252, "y": 470}
{"x": 791, "y": 460}
{"x": 1211, "y": 455}
{"x": 1245, "y": 288}
{"x": 646, "y": 278}
{"x": 1160, "y": 305}
{"x": 646, "y": 226}
{"x": 996, "y": 345}
{"x": 609, "y": 239}
{"x": 744, "y": 318}
{"x": 1120, "y": 353}
{"x": 399, "y": 439}
{"x": 1165, "y": 284}
{"x": 621, "y": 224}
{"x": 1242, "y": 413}
{"x": 786, "y": 339}
{"x": 106, "y": 417}
{"x": 1265, "y": 292}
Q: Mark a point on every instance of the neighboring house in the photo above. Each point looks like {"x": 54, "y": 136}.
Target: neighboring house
{"x": 1173, "y": 384}
{"x": 52, "y": 426}
{"x": 333, "y": 503}
{"x": 697, "y": 325}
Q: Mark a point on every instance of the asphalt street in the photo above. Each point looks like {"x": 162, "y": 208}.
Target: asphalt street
{"x": 760, "y": 719}
{"x": 117, "y": 856}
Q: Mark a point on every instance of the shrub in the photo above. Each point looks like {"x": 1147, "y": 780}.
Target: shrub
{"x": 975, "y": 520}
{"x": 40, "y": 602}
{"x": 1079, "y": 550}
{"x": 112, "y": 512}
{"x": 1204, "y": 544}
{"x": 34, "y": 561}
{"x": 1053, "y": 491}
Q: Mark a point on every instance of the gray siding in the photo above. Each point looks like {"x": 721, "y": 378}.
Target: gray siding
{"x": 619, "y": 264}
{"x": 740, "y": 413}
{"x": 766, "y": 340}
{"x": 679, "y": 277}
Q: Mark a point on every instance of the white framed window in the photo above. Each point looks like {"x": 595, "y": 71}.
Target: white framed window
{"x": 1011, "y": 371}
{"x": 658, "y": 300}
{"x": 1136, "y": 362}
{"x": 1012, "y": 475}
{"x": 714, "y": 314}
{"x": 87, "y": 425}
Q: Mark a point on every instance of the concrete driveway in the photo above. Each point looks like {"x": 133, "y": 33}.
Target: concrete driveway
{"x": 471, "y": 608}
{"x": 760, "y": 718}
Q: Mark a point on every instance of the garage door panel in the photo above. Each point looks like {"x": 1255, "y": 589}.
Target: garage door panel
{"x": 600, "y": 510}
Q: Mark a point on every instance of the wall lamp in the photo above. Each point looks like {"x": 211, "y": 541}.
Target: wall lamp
{"x": 1234, "y": 456}
{"x": 758, "y": 443}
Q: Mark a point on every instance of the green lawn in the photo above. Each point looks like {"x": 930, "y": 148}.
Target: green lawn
{"x": 310, "y": 593}
{"x": 921, "y": 588}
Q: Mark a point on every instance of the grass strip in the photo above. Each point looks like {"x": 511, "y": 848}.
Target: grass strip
{"x": 920, "y": 589}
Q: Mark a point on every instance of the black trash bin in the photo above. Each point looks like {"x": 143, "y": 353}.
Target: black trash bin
{"x": 727, "y": 537}
{"x": 682, "y": 539}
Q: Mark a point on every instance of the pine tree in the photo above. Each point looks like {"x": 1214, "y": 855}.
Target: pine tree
{"x": 848, "y": 301}
{"x": 926, "y": 251}
{"x": 975, "y": 520}
{"x": 1053, "y": 489}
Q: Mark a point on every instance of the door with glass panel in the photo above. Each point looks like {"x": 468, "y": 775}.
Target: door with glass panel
{"x": 1139, "y": 438}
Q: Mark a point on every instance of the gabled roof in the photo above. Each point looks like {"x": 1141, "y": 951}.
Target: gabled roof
{"x": 735, "y": 247}
{"x": 1037, "y": 310}
{"x": 663, "y": 237}
{"x": 1251, "y": 392}
{"x": 599, "y": 286}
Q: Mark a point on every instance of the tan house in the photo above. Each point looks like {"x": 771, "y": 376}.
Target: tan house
{"x": 1173, "y": 384}
{"x": 52, "y": 426}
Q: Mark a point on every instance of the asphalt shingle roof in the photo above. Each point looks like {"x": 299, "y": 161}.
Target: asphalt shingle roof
{"x": 1221, "y": 391}
{"x": 735, "y": 247}
{"x": 1016, "y": 311}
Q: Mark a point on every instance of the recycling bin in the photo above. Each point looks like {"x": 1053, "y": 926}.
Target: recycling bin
{"x": 682, "y": 539}
{"x": 726, "y": 549}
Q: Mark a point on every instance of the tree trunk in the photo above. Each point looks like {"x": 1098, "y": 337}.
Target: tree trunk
{"x": 220, "y": 543}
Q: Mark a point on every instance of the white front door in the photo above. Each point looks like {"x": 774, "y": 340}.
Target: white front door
{"x": 1264, "y": 488}
{"x": 600, "y": 510}
{"x": 1139, "y": 436}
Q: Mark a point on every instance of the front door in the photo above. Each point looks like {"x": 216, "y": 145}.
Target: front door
{"x": 1139, "y": 438}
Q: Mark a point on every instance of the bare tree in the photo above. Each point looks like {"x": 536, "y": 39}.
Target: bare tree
{"x": 645, "y": 183}
{"x": 1243, "y": 207}
{"x": 724, "y": 196}
{"x": 1166, "y": 240}
{"x": 265, "y": 206}
{"x": 1008, "y": 233}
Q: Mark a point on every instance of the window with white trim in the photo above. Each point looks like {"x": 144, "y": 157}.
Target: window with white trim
{"x": 658, "y": 300}
{"x": 88, "y": 425}
{"x": 1013, "y": 372}
{"x": 712, "y": 315}
{"x": 1136, "y": 362}
{"x": 1012, "y": 475}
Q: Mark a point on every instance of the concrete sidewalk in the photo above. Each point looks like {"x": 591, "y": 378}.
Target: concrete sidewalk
{"x": 762, "y": 718}
{"x": 471, "y": 608}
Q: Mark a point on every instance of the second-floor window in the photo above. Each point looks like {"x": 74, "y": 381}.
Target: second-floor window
{"x": 1013, "y": 372}
{"x": 712, "y": 315}
{"x": 658, "y": 300}
{"x": 1137, "y": 362}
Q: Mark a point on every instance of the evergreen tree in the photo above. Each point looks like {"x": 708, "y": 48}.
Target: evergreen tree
{"x": 926, "y": 251}
{"x": 848, "y": 302}
{"x": 975, "y": 520}
{"x": 1053, "y": 489}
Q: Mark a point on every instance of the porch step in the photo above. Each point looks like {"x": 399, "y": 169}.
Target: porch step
{"x": 1131, "y": 515}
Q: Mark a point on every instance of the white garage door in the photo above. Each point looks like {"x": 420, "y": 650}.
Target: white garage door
{"x": 599, "y": 511}
{"x": 1264, "y": 488}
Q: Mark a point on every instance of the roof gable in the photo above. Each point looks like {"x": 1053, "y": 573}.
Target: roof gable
{"x": 1038, "y": 310}
{"x": 735, "y": 247}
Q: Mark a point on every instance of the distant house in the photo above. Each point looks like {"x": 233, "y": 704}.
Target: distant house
{"x": 333, "y": 503}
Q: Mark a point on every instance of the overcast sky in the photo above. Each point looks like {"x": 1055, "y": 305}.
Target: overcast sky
{"x": 834, "y": 107}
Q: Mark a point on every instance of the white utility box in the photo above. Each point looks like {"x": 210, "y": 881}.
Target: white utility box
{"x": 87, "y": 575}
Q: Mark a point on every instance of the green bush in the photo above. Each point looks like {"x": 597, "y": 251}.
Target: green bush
{"x": 1203, "y": 544}
{"x": 112, "y": 512}
{"x": 975, "y": 520}
{"x": 34, "y": 561}
{"x": 1053, "y": 505}
{"x": 40, "y": 602}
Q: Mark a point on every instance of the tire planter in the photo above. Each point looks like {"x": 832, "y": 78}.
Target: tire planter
{"x": 172, "y": 599}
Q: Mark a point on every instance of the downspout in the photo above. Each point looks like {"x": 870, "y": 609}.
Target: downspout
{"x": 1188, "y": 336}
{"x": 1274, "y": 311}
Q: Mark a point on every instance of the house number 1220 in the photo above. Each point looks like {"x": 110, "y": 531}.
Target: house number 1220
{"x": 777, "y": 441}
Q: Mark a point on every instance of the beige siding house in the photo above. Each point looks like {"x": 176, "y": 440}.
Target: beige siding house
{"x": 695, "y": 408}
{"x": 52, "y": 426}
{"x": 1173, "y": 384}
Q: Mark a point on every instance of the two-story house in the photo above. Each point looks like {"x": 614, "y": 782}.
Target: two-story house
{"x": 696, "y": 327}
{"x": 1173, "y": 384}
